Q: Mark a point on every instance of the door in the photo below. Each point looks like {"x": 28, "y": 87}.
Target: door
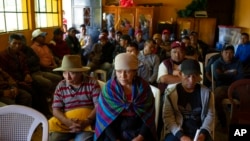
{"x": 126, "y": 19}
{"x": 144, "y": 21}
{"x": 88, "y": 12}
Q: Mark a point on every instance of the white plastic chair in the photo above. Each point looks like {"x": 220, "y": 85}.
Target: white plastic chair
{"x": 157, "y": 96}
{"x": 18, "y": 123}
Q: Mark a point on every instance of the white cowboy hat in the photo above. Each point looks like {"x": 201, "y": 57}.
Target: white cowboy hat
{"x": 37, "y": 33}
{"x": 72, "y": 63}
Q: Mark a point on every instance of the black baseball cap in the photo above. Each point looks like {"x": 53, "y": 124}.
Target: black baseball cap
{"x": 190, "y": 66}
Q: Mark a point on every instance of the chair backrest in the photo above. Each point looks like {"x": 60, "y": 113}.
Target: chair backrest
{"x": 208, "y": 56}
{"x": 241, "y": 88}
{"x": 157, "y": 96}
{"x": 101, "y": 83}
{"x": 212, "y": 77}
{"x": 102, "y": 73}
{"x": 202, "y": 72}
{"x": 18, "y": 123}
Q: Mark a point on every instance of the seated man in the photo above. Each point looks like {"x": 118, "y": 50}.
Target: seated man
{"x": 227, "y": 69}
{"x": 86, "y": 44}
{"x": 188, "y": 106}
{"x": 201, "y": 47}
{"x": 121, "y": 47}
{"x": 74, "y": 103}
{"x": 101, "y": 55}
{"x": 47, "y": 81}
{"x": 9, "y": 92}
{"x": 152, "y": 60}
{"x": 169, "y": 72}
{"x": 47, "y": 60}
{"x": 58, "y": 46}
{"x": 243, "y": 53}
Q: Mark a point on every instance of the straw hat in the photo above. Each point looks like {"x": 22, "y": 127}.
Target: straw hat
{"x": 72, "y": 63}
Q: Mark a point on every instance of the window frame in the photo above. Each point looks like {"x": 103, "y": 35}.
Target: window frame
{"x": 23, "y": 13}
{"x": 50, "y": 11}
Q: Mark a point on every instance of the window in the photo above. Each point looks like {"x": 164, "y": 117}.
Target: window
{"x": 13, "y": 15}
{"x": 46, "y": 13}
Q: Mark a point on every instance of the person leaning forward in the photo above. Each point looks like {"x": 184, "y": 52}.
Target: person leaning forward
{"x": 74, "y": 102}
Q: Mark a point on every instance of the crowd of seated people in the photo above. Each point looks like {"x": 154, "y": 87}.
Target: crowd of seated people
{"x": 28, "y": 77}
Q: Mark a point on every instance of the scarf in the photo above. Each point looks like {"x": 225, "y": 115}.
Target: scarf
{"x": 113, "y": 101}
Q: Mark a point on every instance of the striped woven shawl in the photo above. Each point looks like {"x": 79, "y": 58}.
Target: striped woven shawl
{"x": 113, "y": 101}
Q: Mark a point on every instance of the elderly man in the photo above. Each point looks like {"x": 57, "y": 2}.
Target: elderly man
{"x": 188, "y": 107}
{"x": 74, "y": 103}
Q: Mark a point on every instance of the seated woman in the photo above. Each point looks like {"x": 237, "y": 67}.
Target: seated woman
{"x": 126, "y": 106}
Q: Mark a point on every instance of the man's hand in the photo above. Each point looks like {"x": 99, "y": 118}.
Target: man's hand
{"x": 138, "y": 138}
{"x": 28, "y": 78}
{"x": 73, "y": 125}
{"x": 177, "y": 73}
{"x": 201, "y": 137}
{"x": 10, "y": 93}
{"x": 185, "y": 138}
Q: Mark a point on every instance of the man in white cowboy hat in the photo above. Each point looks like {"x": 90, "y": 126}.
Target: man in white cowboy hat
{"x": 74, "y": 102}
{"x": 47, "y": 60}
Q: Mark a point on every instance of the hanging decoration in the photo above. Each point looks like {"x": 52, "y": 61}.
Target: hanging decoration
{"x": 195, "y": 5}
{"x": 126, "y": 3}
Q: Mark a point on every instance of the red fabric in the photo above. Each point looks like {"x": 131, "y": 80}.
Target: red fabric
{"x": 126, "y": 3}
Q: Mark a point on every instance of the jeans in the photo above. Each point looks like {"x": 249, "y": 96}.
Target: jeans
{"x": 82, "y": 136}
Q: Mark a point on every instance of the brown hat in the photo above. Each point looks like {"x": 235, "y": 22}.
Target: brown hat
{"x": 126, "y": 61}
{"x": 72, "y": 63}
